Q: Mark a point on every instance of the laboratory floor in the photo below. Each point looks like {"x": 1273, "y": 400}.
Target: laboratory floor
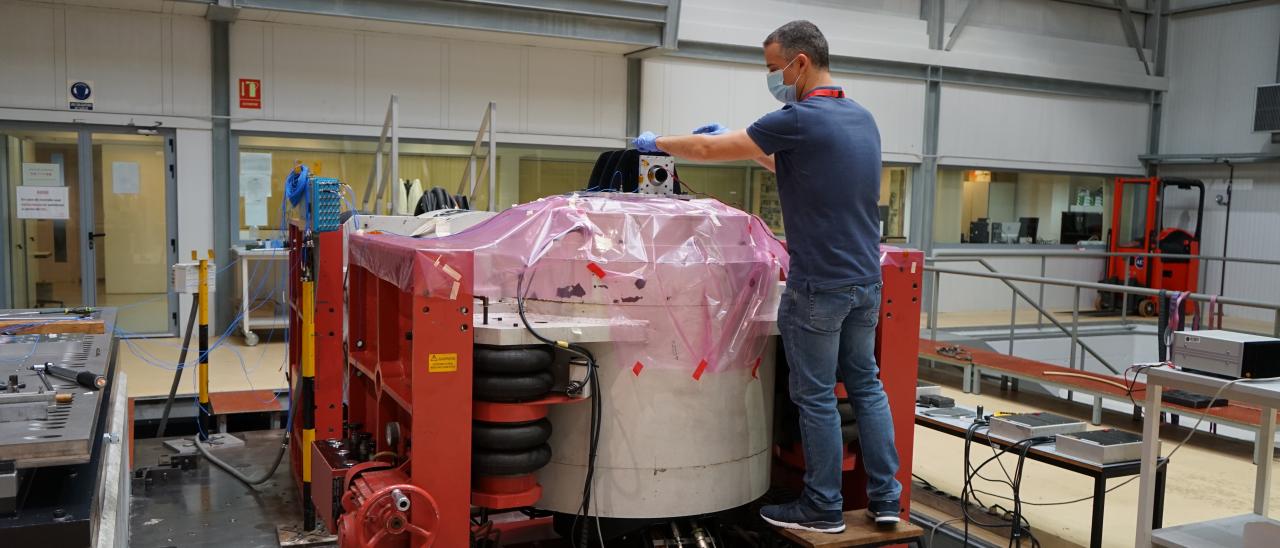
{"x": 233, "y": 367}
{"x": 206, "y": 507}
{"x": 1211, "y": 477}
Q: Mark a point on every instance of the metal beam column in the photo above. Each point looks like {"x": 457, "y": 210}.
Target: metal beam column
{"x": 226, "y": 218}
{"x": 931, "y": 11}
{"x": 924, "y": 180}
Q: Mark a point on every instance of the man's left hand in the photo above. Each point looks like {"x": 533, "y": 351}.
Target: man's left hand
{"x": 647, "y": 143}
{"x": 710, "y": 129}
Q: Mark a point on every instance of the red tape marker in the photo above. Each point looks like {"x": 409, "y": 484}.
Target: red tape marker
{"x": 635, "y": 369}
{"x": 697, "y": 373}
{"x": 595, "y": 269}
{"x": 755, "y": 369}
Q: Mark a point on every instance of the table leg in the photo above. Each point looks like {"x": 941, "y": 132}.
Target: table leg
{"x": 1150, "y": 462}
{"x": 977, "y": 380}
{"x": 1097, "y": 410}
{"x": 1157, "y": 517}
{"x": 966, "y": 381}
{"x": 1263, "y": 446}
{"x": 1099, "y": 507}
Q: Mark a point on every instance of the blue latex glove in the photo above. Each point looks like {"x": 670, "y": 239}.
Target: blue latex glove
{"x": 647, "y": 143}
{"x": 710, "y": 129}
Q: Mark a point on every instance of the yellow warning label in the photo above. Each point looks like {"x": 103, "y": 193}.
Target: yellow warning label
{"x": 442, "y": 363}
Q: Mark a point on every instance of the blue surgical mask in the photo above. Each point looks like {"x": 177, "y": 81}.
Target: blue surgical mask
{"x": 782, "y": 92}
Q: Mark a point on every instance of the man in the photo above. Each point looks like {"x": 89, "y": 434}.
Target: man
{"x": 825, "y": 150}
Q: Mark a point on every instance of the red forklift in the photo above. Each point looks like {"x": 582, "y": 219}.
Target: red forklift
{"x": 1139, "y": 225}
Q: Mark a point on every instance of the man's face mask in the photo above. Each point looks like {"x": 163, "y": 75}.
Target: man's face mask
{"x": 781, "y": 91}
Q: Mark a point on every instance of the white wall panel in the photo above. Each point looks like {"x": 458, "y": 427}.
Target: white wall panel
{"x": 1216, "y": 61}
{"x": 959, "y": 293}
{"x": 736, "y": 95}
{"x": 409, "y": 67}
{"x": 191, "y": 78}
{"x": 479, "y": 73}
{"x": 561, "y": 91}
{"x": 987, "y": 127}
{"x": 121, "y": 53}
{"x": 1031, "y": 37}
{"x": 313, "y": 74}
{"x": 27, "y": 75}
{"x": 141, "y": 63}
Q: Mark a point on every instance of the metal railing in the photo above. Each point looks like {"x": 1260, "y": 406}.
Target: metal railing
{"x": 469, "y": 176}
{"x": 379, "y": 176}
{"x": 1078, "y": 286}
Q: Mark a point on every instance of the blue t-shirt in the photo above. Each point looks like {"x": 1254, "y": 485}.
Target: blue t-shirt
{"x": 827, "y": 158}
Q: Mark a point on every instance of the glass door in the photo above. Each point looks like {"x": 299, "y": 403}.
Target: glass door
{"x": 130, "y": 238}
{"x": 87, "y": 219}
{"x": 43, "y": 233}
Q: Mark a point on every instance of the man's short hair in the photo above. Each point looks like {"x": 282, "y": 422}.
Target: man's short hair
{"x": 799, "y": 37}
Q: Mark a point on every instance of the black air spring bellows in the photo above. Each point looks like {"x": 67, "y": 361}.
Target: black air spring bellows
{"x": 511, "y": 374}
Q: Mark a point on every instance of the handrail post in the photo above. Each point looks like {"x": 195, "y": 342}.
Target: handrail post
{"x": 1013, "y": 317}
{"x": 493, "y": 155}
{"x": 933, "y": 305}
{"x": 1124, "y": 297}
{"x": 1075, "y": 326}
{"x": 393, "y": 177}
{"x": 1040, "y": 300}
{"x": 1075, "y": 334}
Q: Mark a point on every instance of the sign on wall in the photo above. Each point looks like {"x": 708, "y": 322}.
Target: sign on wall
{"x": 250, "y": 93}
{"x": 80, "y": 94}
{"x": 34, "y": 174}
{"x": 43, "y": 202}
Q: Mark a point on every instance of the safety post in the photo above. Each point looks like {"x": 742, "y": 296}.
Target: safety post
{"x": 308, "y": 397}
{"x": 206, "y": 407}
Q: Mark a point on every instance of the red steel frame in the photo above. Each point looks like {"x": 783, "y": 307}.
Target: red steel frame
{"x": 410, "y": 352}
{"x": 329, "y": 366}
{"x": 897, "y": 338}
{"x": 410, "y": 356}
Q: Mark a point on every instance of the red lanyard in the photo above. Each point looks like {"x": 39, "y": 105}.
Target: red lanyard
{"x": 825, "y": 92}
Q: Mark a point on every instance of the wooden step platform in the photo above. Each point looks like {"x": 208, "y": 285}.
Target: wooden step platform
{"x": 859, "y": 531}
{"x": 247, "y": 401}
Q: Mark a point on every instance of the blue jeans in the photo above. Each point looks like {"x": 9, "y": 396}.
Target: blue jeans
{"x": 830, "y": 335}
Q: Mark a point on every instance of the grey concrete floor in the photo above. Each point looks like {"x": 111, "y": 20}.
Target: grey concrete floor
{"x": 206, "y": 506}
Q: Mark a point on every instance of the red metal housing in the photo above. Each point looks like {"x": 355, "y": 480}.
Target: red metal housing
{"x": 329, "y": 366}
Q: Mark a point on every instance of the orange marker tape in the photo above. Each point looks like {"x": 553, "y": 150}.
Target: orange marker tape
{"x": 635, "y": 369}
{"x": 595, "y": 269}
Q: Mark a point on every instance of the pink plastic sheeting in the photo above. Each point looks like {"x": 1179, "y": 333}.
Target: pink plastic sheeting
{"x": 694, "y": 273}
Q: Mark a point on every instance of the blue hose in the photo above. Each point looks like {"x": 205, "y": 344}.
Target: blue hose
{"x": 295, "y": 186}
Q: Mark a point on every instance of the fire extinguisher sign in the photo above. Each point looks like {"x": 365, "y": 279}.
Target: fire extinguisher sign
{"x": 250, "y": 93}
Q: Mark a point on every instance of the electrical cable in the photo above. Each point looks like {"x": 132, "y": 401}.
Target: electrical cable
{"x": 177, "y": 374}
{"x": 1192, "y": 431}
{"x": 590, "y": 381}
{"x": 269, "y": 472}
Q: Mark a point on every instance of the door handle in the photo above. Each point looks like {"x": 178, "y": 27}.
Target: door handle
{"x": 93, "y": 235}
